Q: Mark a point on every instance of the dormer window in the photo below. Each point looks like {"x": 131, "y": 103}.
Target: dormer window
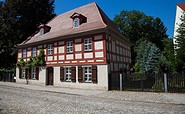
{"x": 76, "y": 22}
{"x": 41, "y": 31}
{"x": 78, "y": 19}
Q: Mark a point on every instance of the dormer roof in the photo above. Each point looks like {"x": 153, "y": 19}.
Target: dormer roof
{"x": 61, "y": 25}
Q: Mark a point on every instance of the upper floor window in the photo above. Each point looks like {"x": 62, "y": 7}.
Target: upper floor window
{"x": 76, "y": 22}
{"x": 24, "y": 53}
{"x": 34, "y": 52}
{"x": 69, "y": 47}
{"x": 88, "y": 44}
{"x": 41, "y": 31}
{"x": 50, "y": 49}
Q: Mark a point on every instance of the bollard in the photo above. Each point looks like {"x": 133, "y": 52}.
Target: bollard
{"x": 121, "y": 82}
{"x": 165, "y": 83}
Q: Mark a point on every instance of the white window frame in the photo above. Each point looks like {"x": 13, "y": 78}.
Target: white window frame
{"x": 24, "y": 53}
{"x": 23, "y": 72}
{"x": 88, "y": 44}
{"x": 33, "y": 73}
{"x": 50, "y": 49}
{"x": 69, "y": 47}
{"x": 67, "y": 74}
{"x": 87, "y": 71}
{"x": 34, "y": 52}
{"x": 76, "y": 22}
{"x": 41, "y": 31}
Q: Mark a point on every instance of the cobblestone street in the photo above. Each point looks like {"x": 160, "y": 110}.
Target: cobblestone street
{"x": 18, "y": 100}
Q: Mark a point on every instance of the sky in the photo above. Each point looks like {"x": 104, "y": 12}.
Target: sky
{"x": 164, "y": 9}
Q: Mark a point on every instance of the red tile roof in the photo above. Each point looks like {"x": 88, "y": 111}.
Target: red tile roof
{"x": 61, "y": 25}
{"x": 182, "y": 5}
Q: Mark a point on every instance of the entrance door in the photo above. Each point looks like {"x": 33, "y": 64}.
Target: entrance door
{"x": 49, "y": 76}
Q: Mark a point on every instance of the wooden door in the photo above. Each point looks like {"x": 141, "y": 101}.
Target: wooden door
{"x": 50, "y": 76}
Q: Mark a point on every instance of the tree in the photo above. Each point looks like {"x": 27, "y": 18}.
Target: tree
{"x": 180, "y": 51}
{"x": 136, "y": 25}
{"x": 18, "y": 20}
{"x": 147, "y": 57}
{"x": 167, "y": 57}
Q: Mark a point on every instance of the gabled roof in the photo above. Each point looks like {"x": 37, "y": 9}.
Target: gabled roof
{"x": 182, "y": 5}
{"x": 61, "y": 25}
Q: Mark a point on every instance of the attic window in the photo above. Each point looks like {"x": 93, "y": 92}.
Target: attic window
{"x": 76, "y": 22}
{"x": 41, "y": 31}
{"x": 78, "y": 19}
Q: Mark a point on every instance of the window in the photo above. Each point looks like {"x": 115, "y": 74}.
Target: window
{"x": 41, "y": 31}
{"x": 67, "y": 74}
{"x": 76, "y": 22}
{"x": 23, "y": 72}
{"x": 33, "y": 73}
{"x": 88, "y": 44}
{"x": 87, "y": 74}
{"x": 24, "y": 53}
{"x": 34, "y": 52}
{"x": 69, "y": 47}
{"x": 50, "y": 49}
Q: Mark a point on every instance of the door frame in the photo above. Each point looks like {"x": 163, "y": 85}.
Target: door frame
{"x": 48, "y": 78}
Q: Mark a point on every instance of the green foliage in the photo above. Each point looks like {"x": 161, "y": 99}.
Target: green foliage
{"x": 148, "y": 57}
{"x": 20, "y": 63}
{"x": 167, "y": 57}
{"x": 33, "y": 61}
{"x": 138, "y": 26}
{"x": 180, "y": 51}
{"x": 18, "y": 20}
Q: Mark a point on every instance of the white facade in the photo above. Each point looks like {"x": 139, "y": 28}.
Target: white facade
{"x": 102, "y": 79}
{"x": 179, "y": 13}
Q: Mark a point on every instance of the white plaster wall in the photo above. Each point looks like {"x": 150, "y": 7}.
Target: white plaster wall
{"x": 69, "y": 56}
{"x": 61, "y": 49}
{"x": 41, "y": 81}
{"x": 102, "y": 72}
{"x": 78, "y": 56}
{"x": 78, "y": 47}
{"x": 98, "y": 37}
{"x": 88, "y": 55}
{"x": 179, "y": 13}
{"x": 61, "y": 57}
{"x": 98, "y": 45}
{"x": 78, "y": 40}
{"x": 55, "y": 50}
{"x": 99, "y": 54}
{"x": 19, "y": 55}
{"x": 50, "y": 58}
{"x": 29, "y": 54}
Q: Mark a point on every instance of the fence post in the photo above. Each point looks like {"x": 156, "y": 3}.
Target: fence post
{"x": 121, "y": 78}
{"x": 165, "y": 83}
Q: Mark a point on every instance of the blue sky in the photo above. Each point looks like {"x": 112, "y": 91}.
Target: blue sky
{"x": 164, "y": 9}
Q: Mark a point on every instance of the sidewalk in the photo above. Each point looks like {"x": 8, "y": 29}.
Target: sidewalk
{"x": 151, "y": 97}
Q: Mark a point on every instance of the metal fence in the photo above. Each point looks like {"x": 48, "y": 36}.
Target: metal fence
{"x": 148, "y": 82}
{"x": 7, "y": 76}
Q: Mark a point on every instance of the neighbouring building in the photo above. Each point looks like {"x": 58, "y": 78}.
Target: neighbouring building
{"x": 180, "y": 10}
{"x": 83, "y": 49}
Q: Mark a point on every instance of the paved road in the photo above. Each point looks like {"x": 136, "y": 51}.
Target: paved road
{"x": 16, "y": 100}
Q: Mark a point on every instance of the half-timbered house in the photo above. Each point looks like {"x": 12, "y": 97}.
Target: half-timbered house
{"x": 82, "y": 47}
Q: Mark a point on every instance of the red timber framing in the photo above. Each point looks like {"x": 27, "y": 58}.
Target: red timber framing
{"x": 79, "y": 56}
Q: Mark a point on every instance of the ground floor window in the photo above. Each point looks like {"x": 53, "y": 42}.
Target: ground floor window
{"x": 23, "y": 73}
{"x": 33, "y": 73}
{"x": 67, "y": 74}
{"x": 87, "y": 71}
